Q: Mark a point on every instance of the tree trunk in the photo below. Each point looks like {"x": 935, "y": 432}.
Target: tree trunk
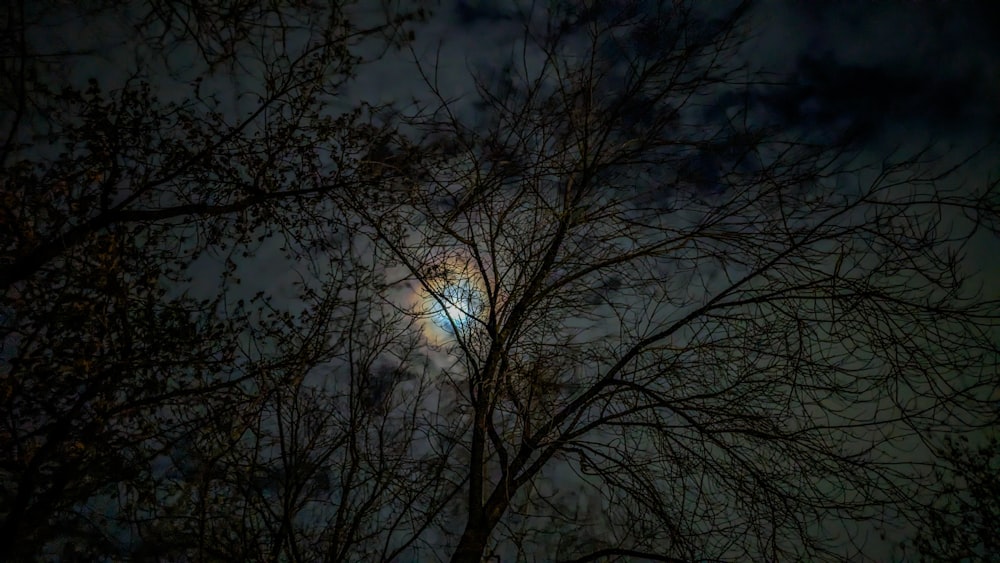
{"x": 473, "y": 543}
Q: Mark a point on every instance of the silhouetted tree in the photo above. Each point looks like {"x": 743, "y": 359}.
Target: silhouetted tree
{"x": 148, "y": 148}
{"x": 961, "y": 523}
{"x": 701, "y": 339}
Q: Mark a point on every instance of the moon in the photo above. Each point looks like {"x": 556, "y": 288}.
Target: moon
{"x": 460, "y": 301}
{"x": 452, "y": 300}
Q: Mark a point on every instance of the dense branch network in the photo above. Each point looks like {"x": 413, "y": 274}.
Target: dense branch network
{"x": 600, "y": 308}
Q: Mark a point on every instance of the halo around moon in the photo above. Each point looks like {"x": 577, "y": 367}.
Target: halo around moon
{"x": 452, "y": 301}
{"x": 458, "y": 302}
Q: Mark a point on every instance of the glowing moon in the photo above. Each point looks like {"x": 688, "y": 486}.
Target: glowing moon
{"x": 452, "y": 300}
{"x": 460, "y": 301}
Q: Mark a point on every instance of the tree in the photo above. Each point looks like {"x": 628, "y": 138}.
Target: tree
{"x": 606, "y": 309}
{"x": 129, "y": 159}
{"x": 961, "y": 524}
{"x": 315, "y": 463}
{"x": 208, "y": 135}
{"x": 700, "y": 339}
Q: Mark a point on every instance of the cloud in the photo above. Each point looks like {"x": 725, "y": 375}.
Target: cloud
{"x": 884, "y": 69}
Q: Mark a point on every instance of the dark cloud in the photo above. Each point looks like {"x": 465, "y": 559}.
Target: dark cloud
{"x": 862, "y": 101}
{"x": 882, "y": 69}
{"x": 469, "y": 12}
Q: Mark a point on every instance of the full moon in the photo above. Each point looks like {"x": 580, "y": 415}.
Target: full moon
{"x": 452, "y": 299}
{"x": 459, "y": 302}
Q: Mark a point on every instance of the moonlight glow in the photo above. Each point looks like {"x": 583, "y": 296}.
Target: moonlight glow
{"x": 452, "y": 298}
{"x": 460, "y": 301}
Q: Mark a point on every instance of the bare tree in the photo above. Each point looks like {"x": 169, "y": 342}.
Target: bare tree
{"x": 251, "y": 133}
{"x": 138, "y": 179}
{"x": 960, "y": 523}
{"x": 691, "y": 338}
{"x": 320, "y": 460}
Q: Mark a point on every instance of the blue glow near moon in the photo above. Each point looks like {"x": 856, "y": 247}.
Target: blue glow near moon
{"x": 460, "y": 303}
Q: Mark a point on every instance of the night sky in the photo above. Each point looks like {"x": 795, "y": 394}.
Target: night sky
{"x": 885, "y": 75}
{"x": 893, "y": 70}
{"x": 879, "y": 77}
